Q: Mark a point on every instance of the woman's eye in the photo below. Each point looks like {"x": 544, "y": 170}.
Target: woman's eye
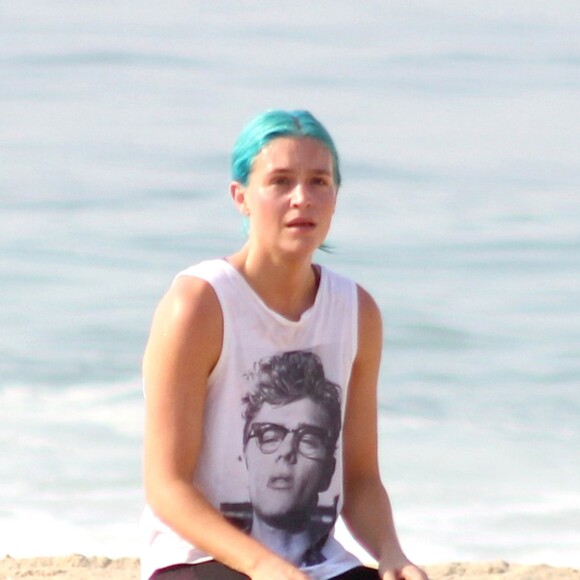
{"x": 281, "y": 180}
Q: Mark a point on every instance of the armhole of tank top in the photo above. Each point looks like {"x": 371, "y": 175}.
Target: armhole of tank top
{"x": 225, "y": 329}
{"x": 355, "y": 319}
{"x": 225, "y": 338}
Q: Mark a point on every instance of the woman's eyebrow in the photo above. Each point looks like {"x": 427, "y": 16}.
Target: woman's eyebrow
{"x": 289, "y": 171}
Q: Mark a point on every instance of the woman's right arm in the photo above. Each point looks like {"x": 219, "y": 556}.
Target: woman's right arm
{"x": 184, "y": 346}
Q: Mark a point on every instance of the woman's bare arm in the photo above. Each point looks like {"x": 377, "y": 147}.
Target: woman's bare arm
{"x": 367, "y": 509}
{"x": 184, "y": 346}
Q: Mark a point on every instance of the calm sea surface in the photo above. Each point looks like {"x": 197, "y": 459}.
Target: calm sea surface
{"x": 459, "y": 128}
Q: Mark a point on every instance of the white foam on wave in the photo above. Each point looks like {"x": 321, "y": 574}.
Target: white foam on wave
{"x": 71, "y": 477}
{"x": 493, "y": 527}
{"x": 34, "y": 533}
{"x": 117, "y": 406}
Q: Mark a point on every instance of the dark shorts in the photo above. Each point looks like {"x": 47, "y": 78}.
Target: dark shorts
{"x": 216, "y": 571}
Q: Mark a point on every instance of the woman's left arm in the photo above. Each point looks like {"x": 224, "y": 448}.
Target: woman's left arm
{"x": 367, "y": 509}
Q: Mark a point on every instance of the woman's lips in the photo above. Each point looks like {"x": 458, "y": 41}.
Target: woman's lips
{"x": 301, "y": 223}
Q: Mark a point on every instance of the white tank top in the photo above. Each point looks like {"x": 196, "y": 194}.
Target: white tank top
{"x": 271, "y": 456}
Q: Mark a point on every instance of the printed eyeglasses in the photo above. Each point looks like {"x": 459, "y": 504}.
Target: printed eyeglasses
{"x": 310, "y": 441}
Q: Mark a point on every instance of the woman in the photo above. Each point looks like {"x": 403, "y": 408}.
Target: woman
{"x": 222, "y": 484}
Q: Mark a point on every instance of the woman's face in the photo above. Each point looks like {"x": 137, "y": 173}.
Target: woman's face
{"x": 290, "y": 196}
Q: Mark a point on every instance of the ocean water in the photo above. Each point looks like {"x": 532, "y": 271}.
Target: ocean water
{"x": 459, "y": 129}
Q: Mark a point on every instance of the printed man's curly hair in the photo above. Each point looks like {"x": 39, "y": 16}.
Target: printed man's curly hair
{"x": 289, "y": 377}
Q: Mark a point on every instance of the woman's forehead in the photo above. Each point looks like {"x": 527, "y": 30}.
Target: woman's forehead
{"x": 290, "y": 153}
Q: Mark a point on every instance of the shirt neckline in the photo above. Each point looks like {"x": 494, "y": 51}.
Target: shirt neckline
{"x": 281, "y": 318}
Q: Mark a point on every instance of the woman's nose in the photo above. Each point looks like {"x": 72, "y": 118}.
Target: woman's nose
{"x": 300, "y": 195}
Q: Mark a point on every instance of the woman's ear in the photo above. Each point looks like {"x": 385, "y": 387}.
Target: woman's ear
{"x": 238, "y": 193}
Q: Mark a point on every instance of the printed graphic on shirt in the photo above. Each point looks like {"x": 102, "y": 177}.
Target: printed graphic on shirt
{"x": 292, "y": 422}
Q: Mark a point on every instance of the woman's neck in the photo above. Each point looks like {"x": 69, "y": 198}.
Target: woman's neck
{"x": 287, "y": 287}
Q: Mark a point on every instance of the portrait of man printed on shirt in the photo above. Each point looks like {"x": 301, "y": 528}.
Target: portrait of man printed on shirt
{"x": 292, "y": 424}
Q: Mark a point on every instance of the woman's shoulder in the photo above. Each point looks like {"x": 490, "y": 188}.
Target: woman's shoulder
{"x": 190, "y": 300}
{"x": 187, "y": 319}
{"x": 366, "y": 302}
{"x": 336, "y": 282}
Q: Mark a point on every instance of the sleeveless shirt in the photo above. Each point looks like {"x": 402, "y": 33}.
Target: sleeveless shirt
{"x": 266, "y": 460}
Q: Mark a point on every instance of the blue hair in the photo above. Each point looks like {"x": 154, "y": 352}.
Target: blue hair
{"x": 271, "y": 125}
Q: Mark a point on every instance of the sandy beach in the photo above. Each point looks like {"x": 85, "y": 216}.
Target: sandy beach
{"x": 78, "y": 567}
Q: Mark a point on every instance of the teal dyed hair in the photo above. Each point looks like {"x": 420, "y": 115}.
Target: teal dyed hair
{"x": 271, "y": 125}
